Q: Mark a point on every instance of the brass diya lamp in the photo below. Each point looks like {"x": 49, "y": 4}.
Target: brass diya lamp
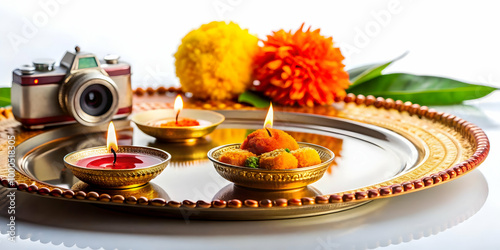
{"x": 117, "y": 167}
{"x": 177, "y": 124}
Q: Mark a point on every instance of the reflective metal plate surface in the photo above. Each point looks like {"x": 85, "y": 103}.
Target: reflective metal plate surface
{"x": 365, "y": 155}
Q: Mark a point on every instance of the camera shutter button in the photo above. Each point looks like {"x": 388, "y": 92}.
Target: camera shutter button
{"x": 27, "y": 69}
{"x": 111, "y": 59}
{"x": 44, "y": 64}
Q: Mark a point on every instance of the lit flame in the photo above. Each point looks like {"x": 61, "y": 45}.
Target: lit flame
{"x": 269, "y": 118}
{"x": 111, "y": 141}
{"x": 178, "y": 104}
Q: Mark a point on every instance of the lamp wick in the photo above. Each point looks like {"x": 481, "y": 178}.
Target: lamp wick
{"x": 114, "y": 155}
{"x": 177, "y": 118}
{"x": 269, "y": 132}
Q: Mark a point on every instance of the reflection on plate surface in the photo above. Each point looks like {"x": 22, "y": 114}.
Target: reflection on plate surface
{"x": 410, "y": 217}
{"x": 232, "y": 191}
{"x": 149, "y": 190}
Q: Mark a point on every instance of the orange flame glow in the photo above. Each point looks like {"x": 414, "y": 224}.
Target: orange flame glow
{"x": 112, "y": 143}
{"x": 178, "y": 104}
{"x": 269, "y": 117}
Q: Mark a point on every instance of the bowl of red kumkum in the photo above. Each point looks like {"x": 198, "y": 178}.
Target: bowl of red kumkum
{"x": 190, "y": 124}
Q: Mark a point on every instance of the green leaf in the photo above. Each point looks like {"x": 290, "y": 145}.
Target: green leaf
{"x": 254, "y": 99}
{"x": 249, "y": 131}
{"x": 4, "y": 97}
{"x": 252, "y": 162}
{"x": 365, "y": 73}
{"x": 424, "y": 90}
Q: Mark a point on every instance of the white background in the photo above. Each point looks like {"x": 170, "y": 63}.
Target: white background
{"x": 456, "y": 39}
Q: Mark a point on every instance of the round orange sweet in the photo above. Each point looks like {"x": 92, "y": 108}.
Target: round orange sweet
{"x": 307, "y": 157}
{"x": 259, "y": 141}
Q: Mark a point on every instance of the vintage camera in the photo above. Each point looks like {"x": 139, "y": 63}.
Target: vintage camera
{"x": 81, "y": 89}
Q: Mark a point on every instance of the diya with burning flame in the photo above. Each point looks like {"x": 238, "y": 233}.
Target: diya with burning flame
{"x": 117, "y": 161}
{"x": 114, "y": 166}
{"x": 268, "y": 139}
{"x": 177, "y": 124}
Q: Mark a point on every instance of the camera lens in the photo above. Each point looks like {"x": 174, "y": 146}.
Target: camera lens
{"x": 96, "y": 100}
{"x": 90, "y": 97}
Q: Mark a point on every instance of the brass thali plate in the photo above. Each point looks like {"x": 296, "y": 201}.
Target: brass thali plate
{"x": 383, "y": 149}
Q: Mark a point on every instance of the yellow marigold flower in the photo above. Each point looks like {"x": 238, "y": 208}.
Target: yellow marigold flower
{"x": 215, "y": 61}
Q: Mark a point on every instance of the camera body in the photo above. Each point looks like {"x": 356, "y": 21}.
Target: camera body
{"x": 81, "y": 89}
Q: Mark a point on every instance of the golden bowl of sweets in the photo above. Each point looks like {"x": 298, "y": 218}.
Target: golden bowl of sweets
{"x": 270, "y": 159}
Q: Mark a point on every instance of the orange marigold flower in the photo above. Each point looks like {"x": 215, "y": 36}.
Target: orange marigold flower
{"x": 300, "y": 68}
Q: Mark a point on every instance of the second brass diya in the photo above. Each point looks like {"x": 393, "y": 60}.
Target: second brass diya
{"x": 117, "y": 178}
{"x": 271, "y": 179}
{"x": 209, "y": 120}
